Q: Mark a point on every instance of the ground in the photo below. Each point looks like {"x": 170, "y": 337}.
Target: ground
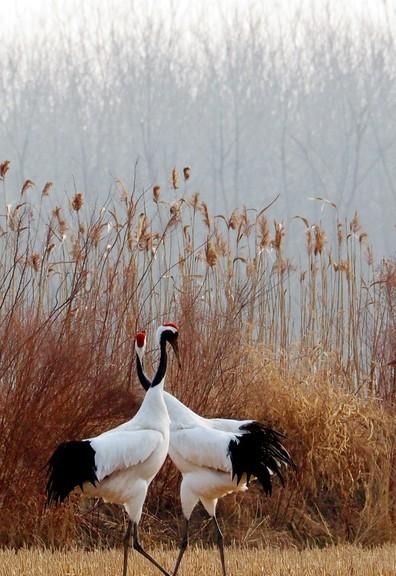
{"x": 337, "y": 561}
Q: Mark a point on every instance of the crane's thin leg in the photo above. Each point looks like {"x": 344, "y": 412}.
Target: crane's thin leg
{"x": 220, "y": 544}
{"x": 127, "y": 538}
{"x": 138, "y": 547}
{"x": 183, "y": 546}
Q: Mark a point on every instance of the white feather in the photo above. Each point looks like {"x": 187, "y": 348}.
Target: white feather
{"x": 120, "y": 450}
{"x": 182, "y": 416}
{"x": 200, "y": 447}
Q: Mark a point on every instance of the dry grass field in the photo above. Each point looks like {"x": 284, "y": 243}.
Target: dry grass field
{"x": 337, "y": 561}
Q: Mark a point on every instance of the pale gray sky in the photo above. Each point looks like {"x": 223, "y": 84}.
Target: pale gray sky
{"x": 31, "y": 17}
{"x": 339, "y": 142}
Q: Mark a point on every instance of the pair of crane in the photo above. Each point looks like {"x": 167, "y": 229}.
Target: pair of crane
{"x": 215, "y": 456}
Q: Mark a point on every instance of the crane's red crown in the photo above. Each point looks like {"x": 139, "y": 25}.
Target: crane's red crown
{"x": 171, "y": 324}
{"x": 140, "y": 338}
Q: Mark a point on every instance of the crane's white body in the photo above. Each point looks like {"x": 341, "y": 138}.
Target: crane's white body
{"x": 199, "y": 449}
{"x": 129, "y": 456}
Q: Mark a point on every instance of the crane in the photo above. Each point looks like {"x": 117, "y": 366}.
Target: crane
{"x": 119, "y": 464}
{"x": 216, "y": 456}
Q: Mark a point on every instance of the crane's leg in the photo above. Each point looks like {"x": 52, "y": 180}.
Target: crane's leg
{"x": 127, "y": 538}
{"x": 183, "y": 546}
{"x": 220, "y": 544}
{"x": 138, "y": 547}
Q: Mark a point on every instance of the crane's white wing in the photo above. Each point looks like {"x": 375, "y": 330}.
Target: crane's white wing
{"x": 183, "y": 417}
{"x": 203, "y": 447}
{"x": 118, "y": 450}
{"x": 227, "y": 424}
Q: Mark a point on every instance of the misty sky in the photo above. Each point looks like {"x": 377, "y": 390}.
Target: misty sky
{"x": 311, "y": 112}
{"x": 39, "y": 16}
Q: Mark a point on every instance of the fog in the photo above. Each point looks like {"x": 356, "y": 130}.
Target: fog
{"x": 259, "y": 101}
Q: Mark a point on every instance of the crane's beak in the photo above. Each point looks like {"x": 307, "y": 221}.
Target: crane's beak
{"x": 175, "y": 347}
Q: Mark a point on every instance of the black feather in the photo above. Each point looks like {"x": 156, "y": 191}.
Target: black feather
{"x": 257, "y": 450}
{"x": 144, "y": 381}
{"x": 72, "y": 464}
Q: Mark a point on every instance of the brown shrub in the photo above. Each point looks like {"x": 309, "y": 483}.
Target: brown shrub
{"x": 314, "y": 366}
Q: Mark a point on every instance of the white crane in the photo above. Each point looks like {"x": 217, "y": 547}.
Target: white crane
{"x": 216, "y": 456}
{"x": 119, "y": 465}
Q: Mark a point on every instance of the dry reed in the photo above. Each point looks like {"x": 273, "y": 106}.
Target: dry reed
{"x": 306, "y": 346}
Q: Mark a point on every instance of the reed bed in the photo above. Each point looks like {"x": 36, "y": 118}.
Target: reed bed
{"x": 303, "y": 340}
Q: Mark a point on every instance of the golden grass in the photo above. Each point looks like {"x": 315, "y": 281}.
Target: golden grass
{"x": 335, "y": 561}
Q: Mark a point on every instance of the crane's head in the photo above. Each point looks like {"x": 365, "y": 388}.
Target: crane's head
{"x": 140, "y": 344}
{"x": 170, "y": 332}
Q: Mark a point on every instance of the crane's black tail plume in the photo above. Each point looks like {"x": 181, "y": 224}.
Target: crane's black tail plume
{"x": 71, "y": 464}
{"x": 258, "y": 452}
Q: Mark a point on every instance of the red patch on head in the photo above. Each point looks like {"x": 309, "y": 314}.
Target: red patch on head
{"x": 171, "y": 324}
{"x": 140, "y": 339}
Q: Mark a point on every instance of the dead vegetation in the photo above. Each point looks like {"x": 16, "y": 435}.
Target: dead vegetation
{"x": 333, "y": 561}
{"x": 305, "y": 344}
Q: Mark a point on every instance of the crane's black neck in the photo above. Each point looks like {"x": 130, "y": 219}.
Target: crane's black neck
{"x": 144, "y": 381}
{"x": 161, "y": 370}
